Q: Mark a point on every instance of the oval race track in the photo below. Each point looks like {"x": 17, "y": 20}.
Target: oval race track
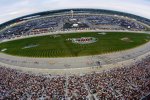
{"x": 75, "y": 63}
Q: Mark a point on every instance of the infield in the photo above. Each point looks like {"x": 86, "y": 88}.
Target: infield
{"x": 51, "y": 46}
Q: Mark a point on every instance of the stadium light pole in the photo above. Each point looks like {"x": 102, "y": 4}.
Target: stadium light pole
{"x": 72, "y": 13}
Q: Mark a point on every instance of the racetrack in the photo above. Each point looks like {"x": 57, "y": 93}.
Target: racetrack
{"x": 57, "y": 65}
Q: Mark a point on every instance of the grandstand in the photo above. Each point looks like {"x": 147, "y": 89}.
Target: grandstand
{"x": 84, "y": 19}
{"x": 128, "y": 82}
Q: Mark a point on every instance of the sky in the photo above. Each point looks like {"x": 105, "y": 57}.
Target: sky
{"x": 11, "y": 9}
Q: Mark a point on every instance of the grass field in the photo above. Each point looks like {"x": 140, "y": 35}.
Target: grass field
{"x": 59, "y": 46}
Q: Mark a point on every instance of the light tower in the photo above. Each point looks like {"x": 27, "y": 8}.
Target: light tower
{"x": 72, "y": 13}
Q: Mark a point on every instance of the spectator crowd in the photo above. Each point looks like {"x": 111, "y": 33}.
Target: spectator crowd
{"x": 121, "y": 83}
{"x": 66, "y": 22}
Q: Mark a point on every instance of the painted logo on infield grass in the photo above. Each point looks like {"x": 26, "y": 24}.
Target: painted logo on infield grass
{"x": 83, "y": 40}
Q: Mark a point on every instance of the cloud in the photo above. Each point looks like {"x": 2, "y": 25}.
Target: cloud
{"x": 15, "y": 8}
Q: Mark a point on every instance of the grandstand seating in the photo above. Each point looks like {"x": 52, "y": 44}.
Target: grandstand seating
{"x": 125, "y": 83}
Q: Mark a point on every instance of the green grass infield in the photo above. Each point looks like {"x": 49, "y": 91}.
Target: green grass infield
{"x": 63, "y": 45}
